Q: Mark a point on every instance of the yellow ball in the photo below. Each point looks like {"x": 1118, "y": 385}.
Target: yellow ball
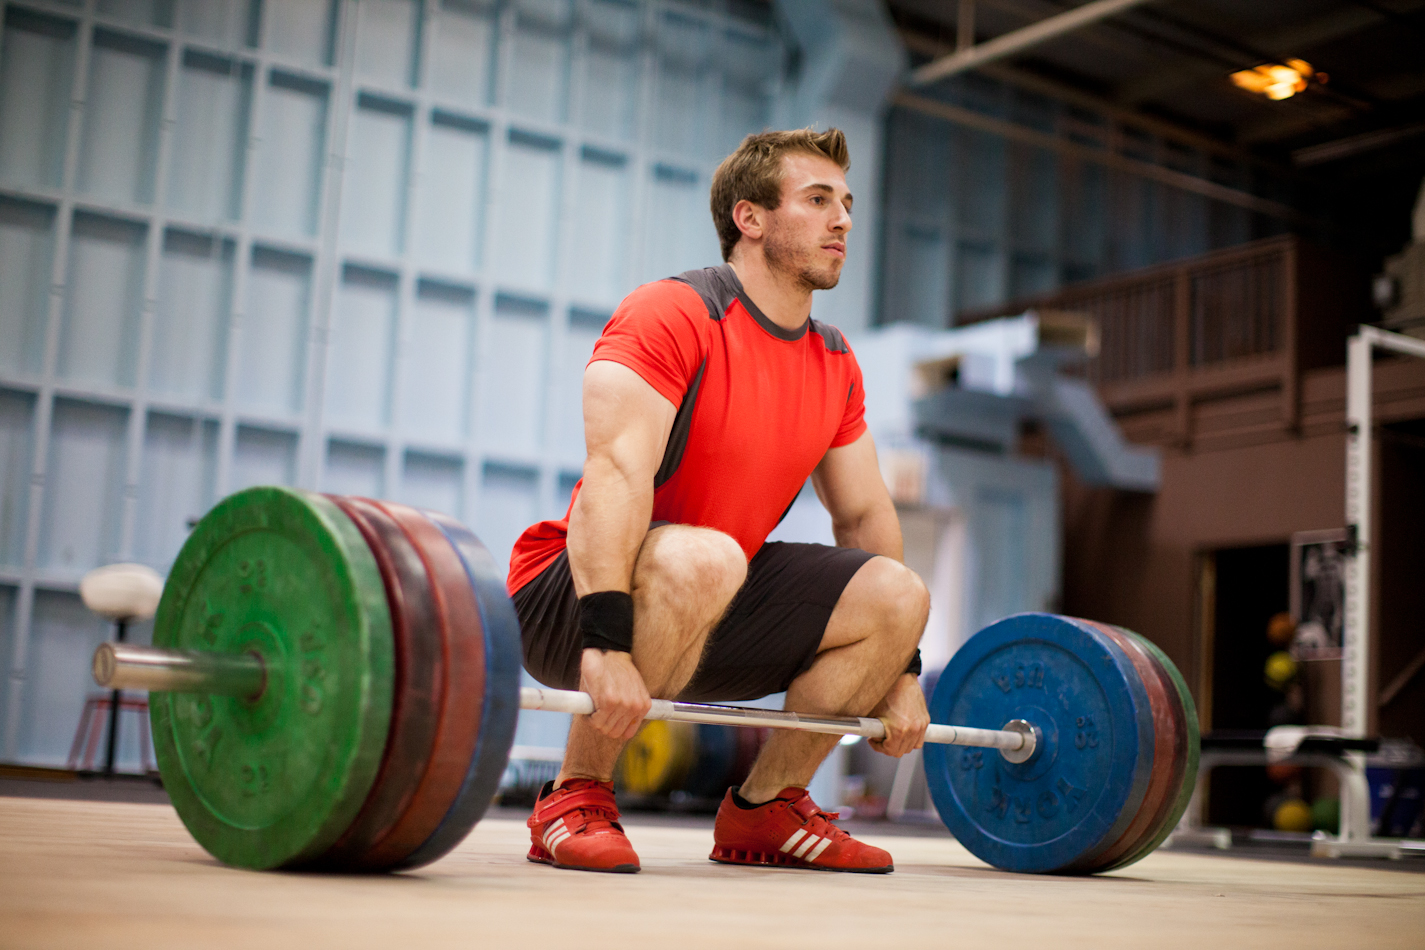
{"x": 1292, "y": 815}
{"x": 1280, "y": 670}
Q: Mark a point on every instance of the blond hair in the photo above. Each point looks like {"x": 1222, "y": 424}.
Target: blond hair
{"x": 754, "y": 173}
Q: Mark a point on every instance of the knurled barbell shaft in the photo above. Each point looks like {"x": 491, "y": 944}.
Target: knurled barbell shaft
{"x": 1018, "y": 739}
{"x": 121, "y": 666}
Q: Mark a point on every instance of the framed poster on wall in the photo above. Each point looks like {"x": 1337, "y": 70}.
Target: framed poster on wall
{"x": 1318, "y": 593}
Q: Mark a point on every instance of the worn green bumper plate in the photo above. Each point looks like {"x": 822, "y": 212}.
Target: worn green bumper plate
{"x": 275, "y": 780}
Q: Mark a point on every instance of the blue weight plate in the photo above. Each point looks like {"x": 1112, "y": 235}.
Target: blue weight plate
{"x": 501, "y": 702}
{"x": 1086, "y": 780}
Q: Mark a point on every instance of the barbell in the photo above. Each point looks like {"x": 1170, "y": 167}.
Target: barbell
{"x": 335, "y": 684}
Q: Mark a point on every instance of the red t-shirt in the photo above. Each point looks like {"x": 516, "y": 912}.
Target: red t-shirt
{"x": 759, "y": 406}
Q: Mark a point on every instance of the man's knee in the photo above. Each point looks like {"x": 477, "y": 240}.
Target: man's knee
{"x": 898, "y": 595}
{"x": 691, "y": 565}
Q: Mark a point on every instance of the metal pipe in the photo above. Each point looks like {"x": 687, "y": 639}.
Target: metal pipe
{"x": 122, "y": 666}
{"x": 1017, "y": 740}
{"x": 1017, "y": 40}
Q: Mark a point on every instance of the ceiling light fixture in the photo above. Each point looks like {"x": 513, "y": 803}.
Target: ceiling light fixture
{"x": 1277, "y": 80}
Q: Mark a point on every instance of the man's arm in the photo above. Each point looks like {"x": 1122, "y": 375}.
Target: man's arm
{"x": 848, "y": 482}
{"x": 626, "y": 426}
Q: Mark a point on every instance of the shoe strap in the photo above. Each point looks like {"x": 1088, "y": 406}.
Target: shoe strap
{"x": 808, "y": 811}
{"x": 596, "y": 802}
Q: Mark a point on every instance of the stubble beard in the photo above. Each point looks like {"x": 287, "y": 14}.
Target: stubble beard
{"x": 787, "y": 259}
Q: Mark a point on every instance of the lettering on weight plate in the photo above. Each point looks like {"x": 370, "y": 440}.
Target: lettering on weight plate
{"x": 205, "y": 743}
{"x": 253, "y": 575}
{"x": 254, "y": 780}
{"x": 999, "y": 802}
{"x": 212, "y": 620}
{"x": 972, "y": 759}
{"x": 1021, "y": 676}
{"x": 314, "y": 672}
{"x": 1071, "y": 795}
{"x": 1087, "y": 736}
{"x": 1047, "y": 804}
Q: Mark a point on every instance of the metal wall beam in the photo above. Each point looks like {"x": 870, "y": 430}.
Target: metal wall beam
{"x": 1167, "y": 176}
{"x": 1089, "y": 102}
{"x": 1018, "y": 40}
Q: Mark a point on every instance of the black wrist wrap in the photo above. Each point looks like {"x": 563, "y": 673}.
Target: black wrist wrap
{"x": 913, "y": 668}
{"x": 606, "y": 621}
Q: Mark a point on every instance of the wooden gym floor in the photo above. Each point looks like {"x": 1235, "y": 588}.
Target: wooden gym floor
{"x": 119, "y": 874}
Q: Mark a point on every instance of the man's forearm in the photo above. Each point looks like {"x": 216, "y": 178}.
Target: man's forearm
{"x": 606, "y": 528}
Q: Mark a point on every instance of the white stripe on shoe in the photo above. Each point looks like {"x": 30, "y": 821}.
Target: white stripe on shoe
{"x": 816, "y": 852}
{"x": 554, "y": 834}
{"x": 806, "y": 845}
{"x": 796, "y": 836}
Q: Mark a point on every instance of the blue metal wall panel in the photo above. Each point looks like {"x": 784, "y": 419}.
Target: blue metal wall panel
{"x": 357, "y": 244}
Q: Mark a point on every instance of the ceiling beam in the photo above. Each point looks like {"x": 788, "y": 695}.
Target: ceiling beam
{"x": 1018, "y": 40}
{"x": 1034, "y": 137}
{"x": 1107, "y": 108}
{"x": 1355, "y": 145}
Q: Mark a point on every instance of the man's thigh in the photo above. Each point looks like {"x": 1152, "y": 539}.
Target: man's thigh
{"x": 548, "y": 608}
{"x": 774, "y": 626}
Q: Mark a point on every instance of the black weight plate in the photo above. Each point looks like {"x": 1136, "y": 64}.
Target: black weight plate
{"x": 1088, "y": 776}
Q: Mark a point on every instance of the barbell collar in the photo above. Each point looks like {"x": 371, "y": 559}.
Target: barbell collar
{"x": 123, "y": 666}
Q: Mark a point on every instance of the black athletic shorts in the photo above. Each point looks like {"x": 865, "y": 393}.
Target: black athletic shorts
{"x": 768, "y": 638}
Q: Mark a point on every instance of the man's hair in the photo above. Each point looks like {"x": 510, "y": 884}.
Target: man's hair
{"x": 754, "y": 172}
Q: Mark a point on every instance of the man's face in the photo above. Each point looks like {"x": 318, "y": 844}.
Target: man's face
{"x": 805, "y": 238}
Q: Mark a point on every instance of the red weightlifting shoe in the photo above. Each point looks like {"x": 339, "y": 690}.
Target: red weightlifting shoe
{"x": 576, "y": 826}
{"x": 790, "y": 831}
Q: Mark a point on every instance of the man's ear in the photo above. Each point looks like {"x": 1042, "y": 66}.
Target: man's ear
{"x": 750, "y": 218}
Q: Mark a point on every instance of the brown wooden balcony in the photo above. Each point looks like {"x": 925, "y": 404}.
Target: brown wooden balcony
{"x": 1246, "y": 321}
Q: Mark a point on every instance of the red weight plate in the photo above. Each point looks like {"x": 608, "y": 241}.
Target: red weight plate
{"x": 420, "y": 682}
{"x": 1168, "y": 744}
{"x": 1183, "y": 760}
{"x": 459, "y": 632}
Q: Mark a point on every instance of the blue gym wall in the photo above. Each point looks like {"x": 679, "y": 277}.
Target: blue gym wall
{"x": 361, "y": 246}
{"x": 366, "y": 246}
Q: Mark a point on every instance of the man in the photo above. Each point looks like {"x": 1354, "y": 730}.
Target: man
{"x": 709, "y": 399}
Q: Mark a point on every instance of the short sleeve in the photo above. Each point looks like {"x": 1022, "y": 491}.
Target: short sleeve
{"x": 853, "y": 420}
{"x": 659, "y": 332}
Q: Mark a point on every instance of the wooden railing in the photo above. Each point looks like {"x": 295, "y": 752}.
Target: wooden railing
{"x": 1247, "y": 319}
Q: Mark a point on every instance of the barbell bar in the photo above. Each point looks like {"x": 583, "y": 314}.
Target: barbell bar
{"x": 126, "y": 666}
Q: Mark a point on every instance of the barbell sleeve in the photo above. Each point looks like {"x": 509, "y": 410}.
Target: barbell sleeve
{"x": 123, "y": 666}
{"x": 1017, "y": 740}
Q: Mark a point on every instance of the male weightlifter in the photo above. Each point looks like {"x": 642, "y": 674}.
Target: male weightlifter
{"x": 709, "y": 399}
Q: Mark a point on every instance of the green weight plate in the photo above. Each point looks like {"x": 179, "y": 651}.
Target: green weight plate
{"x": 1194, "y": 749}
{"x": 274, "y": 780}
